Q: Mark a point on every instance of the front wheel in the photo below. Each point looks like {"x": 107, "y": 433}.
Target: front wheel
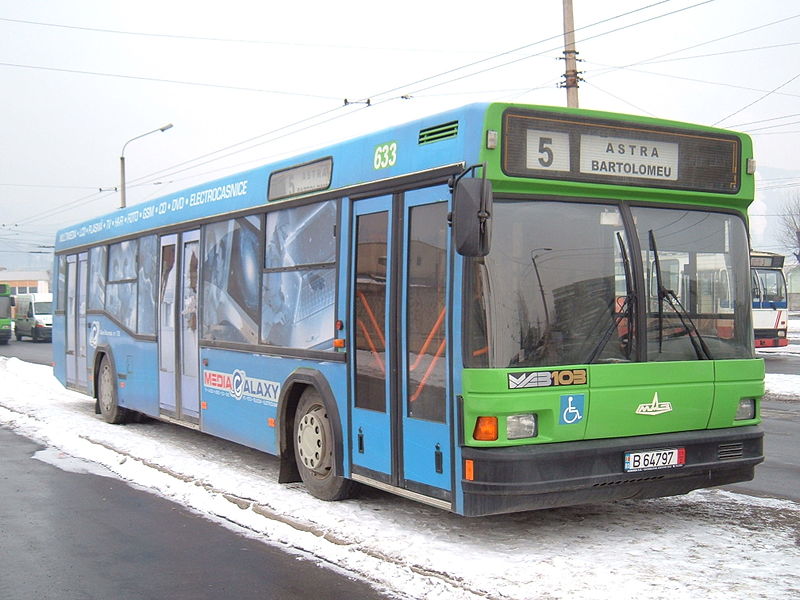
{"x": 315, "y": 450}
{"x": 107, "y": 395}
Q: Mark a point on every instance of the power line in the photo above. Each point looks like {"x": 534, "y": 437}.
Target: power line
{"x": 93, "y": 197}
{"x": 386, "y": 92}
{"x": 57, "y": 187}
{"x": 237, "y": 88}
{"x": 719, "y": 39}
{"x": 505, "y": 64}
{"x": 703, "y": 81}
{"x": 727, "y": 52}
{"x": 765, "y": 120}
{"x": 197, "y": 38}
{"x": 757, "y": 100}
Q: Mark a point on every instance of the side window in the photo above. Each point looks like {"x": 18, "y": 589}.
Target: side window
{"x": 299, "y": 277}
{"x": 97, "y": 277}
{"x": 121, "y": 287}
{"x": 147, "y": 283}
{"x": 61, "y": 284}
{"x": 231, "y": 274}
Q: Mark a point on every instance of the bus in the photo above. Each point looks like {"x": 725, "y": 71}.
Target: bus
{"x": 6, "y": 302}
{"x": 474, "y": 310}
{"x": 770, "y": 299}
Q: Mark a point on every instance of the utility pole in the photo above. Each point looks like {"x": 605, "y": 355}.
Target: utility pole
{"x": 570, "y": 57}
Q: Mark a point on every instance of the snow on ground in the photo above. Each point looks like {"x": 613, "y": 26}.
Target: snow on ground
{"x": 785, "y": 386}
{"x": 709, "y": 544}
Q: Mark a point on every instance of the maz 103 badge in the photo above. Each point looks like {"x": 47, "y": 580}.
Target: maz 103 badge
{"x": 539, "y": 379}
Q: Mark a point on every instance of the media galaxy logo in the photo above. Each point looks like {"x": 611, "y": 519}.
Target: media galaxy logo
{"x": 654, "y": 408}
{"x": 241, "y": 387}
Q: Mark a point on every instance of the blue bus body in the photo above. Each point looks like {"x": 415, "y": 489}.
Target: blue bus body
{"x": 240, "y": 388}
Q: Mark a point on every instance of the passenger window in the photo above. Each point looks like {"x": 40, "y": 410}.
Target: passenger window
{"x": 231, "y": 274}
{"x": 299, "y": 278}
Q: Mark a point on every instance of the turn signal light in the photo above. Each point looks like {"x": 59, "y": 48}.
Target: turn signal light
{"x": 485, "y": 429}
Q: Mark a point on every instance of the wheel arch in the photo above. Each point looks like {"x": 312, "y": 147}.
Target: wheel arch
{"x": 291, "y": 391}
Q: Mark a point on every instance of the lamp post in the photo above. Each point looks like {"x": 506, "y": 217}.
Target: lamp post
{"x": 122, "y": 203}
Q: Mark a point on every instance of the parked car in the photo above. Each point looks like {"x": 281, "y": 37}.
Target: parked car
{"x": 34, "y": 317}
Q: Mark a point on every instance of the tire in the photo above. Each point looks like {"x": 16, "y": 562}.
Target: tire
{"x": 34, "y": 336}
{"x": 315, "y": 450}
{"x": 18, "y": 335}
{"x": 107, "y": 394}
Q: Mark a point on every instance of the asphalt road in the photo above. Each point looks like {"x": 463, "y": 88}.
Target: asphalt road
{"x": 40, "y": 353}
{"x": 70, "y": 536}
{"x": 783, "y": 364}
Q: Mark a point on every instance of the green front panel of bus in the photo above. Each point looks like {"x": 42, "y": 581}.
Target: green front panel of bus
{"x": 616, "y": 401}
{"x": 736, "y": 379}
{"x": 649, "y": 398}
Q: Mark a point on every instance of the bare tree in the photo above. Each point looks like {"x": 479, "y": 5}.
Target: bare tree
{"x": 789, "y": 233}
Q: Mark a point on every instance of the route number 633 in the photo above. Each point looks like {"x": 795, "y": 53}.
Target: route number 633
{"x": 385, "y": 156}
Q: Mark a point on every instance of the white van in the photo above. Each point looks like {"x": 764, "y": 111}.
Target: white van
{"x": 34, "y": 316}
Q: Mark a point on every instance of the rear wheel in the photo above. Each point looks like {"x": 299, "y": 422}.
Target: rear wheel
{"x": 107, "y": 394}
{"x": 315, "y": 449}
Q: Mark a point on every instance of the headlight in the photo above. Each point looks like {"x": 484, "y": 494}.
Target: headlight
{"x": 746, "y": 409}
{"x": 520, "y": 426}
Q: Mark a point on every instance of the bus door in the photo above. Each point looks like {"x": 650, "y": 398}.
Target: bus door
{"x": 178, "y": 355}
{"x": 400, "y": 432}
{"x": 77, "y": 276}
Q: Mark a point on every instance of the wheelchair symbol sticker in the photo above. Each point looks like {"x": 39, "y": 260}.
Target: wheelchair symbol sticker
{"x": 572, "y": 407}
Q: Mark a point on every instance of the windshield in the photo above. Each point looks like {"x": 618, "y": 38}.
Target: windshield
{"x": 704, "y": 295}
{"x": 44, "y": 308}
{"x": 768, "y": 286}
{"x": 563, "y": 286}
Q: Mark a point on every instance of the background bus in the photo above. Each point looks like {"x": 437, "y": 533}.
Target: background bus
{"x": 770, "y": 299}
{"x": 474, "y": 310}
{"x": 6, "y": 302}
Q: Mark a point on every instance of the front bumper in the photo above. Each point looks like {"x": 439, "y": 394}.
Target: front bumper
{"x": 549, "y": 475}
{"x": 43, "y": 333}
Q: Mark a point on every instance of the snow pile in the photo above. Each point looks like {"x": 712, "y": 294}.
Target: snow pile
{"x": 710, "y": 544}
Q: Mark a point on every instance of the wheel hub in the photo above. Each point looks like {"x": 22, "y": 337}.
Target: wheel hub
{"x": 311, "y": 441}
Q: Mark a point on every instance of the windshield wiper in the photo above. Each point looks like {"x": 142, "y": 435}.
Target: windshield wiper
{"x": 698, "y": 343}
{"x": 625, "y": 311}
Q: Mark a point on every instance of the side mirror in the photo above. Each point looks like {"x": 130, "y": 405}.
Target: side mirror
{"x": 471, "y": 217}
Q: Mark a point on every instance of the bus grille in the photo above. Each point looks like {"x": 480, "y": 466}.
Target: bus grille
{"x": 438, "y": 133}
{"x": 730, "y": 451}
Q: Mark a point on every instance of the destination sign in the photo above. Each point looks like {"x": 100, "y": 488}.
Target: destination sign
{"x": 629, "y": 157}
{"x": 300, "y": 179}
{"x": 568, "y": 147}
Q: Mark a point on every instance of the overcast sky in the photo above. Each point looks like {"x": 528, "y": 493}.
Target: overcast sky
{"x": 79, "y": 78}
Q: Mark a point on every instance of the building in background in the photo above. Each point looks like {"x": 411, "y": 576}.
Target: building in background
{"x": 793, "y": 284}
{"x": 26, "y": 282}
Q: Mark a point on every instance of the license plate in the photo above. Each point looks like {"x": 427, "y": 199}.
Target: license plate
{"x": 647, "y": 460}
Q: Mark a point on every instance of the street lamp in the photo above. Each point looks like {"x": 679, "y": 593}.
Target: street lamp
{"x": 122, "y": 203}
